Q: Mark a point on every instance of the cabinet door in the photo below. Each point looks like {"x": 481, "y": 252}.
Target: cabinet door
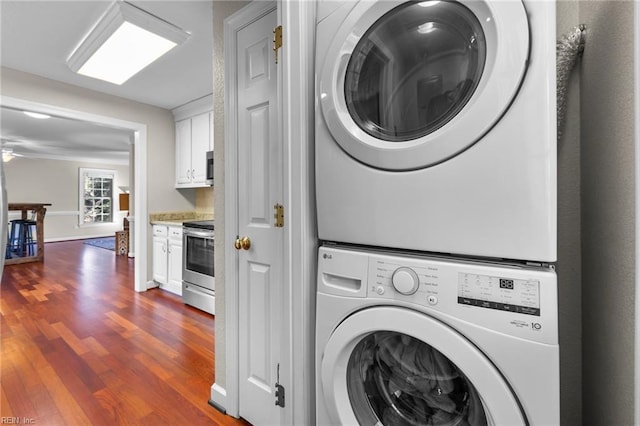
{"x": 160, "y": 260}
{"x": 183, "y": 152}
{"x": 199, "y": 146}
{"x": 174, "y": 283}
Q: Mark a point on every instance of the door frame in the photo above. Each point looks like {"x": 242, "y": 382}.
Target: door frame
{"x": 139, "y": 187}
{"x": 296, "y": 105}
{"x": 232, "y": 26}
{"x": 637, "y": 206}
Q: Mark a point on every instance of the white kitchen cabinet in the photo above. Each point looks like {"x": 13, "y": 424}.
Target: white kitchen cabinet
{"x": 167, "y": 257}
{"x": 183, "y": 153}
{"x": 174, "y": 260}
{"x": 194, "y": 137}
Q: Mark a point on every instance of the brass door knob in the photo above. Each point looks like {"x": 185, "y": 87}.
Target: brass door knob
{"x": 245, "y": 242}
{"x": 242, "y": 243}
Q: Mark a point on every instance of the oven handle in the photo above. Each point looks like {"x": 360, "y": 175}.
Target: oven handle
{"x": 203, "y": 234}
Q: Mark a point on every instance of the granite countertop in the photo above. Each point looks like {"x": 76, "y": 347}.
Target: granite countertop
{"x": 177, "y": 218}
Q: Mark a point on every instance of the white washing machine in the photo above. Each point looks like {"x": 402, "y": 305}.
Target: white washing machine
{"x": 427, "y": 341}
{"x": 436, "y": 126}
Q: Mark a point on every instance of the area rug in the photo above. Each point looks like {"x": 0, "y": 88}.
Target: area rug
{"x": 108, "y": 243}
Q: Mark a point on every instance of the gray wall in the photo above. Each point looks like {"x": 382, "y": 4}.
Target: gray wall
{"x": 569, "y": 261}
{"x": 596, "y": 216}
{"x": 161, "y": 195}
{"x": 608, "y": 212}
{"x": 221, "y": 10}
{"x": 56, "y": 182}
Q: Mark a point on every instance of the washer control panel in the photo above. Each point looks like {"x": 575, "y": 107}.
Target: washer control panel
{"x": 512, "y": 299}
{"x": 504, "y": 294}
{"x": 405, "y": 280}
{"x": 414, "y": 283}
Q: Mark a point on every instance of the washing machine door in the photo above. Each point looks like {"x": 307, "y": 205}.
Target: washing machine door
{"x": 407, "y": 86}
{"x": 394, "y": 366}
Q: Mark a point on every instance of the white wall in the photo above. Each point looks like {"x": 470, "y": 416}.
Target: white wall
{"x": 161, "y": 194}
{"x": 56, "y": 182}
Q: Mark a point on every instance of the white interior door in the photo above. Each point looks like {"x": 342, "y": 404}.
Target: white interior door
{"x": 260, "y": 187}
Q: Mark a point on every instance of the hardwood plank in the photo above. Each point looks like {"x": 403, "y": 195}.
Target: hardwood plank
{"x": 79, "y": 346}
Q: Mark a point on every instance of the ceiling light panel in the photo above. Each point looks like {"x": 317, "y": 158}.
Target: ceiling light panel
{"x": 37, "y": 115}
{"x": 124, "y": 41}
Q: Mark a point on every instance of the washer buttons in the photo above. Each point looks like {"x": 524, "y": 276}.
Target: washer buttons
{"x": 380, "y": 290}
{"x": 433, "y": 300}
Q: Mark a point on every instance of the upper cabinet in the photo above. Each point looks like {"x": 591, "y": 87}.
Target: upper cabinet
{"x": 194, "y": 137}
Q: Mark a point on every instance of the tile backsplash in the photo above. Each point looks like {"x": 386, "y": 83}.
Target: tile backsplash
{"x": 204, "y": 200}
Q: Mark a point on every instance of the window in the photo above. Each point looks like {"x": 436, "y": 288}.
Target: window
{"x": 96, "y": 196}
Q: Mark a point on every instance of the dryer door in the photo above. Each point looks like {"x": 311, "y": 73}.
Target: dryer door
{"x": 390, "y": 366}
{"x": 408, "y": 86}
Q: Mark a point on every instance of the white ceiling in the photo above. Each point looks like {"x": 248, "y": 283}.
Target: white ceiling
{"x": 38, "y": 36}
{"x": 63, "y": 139}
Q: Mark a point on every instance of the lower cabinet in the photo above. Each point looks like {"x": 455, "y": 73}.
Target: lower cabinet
{"x": 167, "y": 257}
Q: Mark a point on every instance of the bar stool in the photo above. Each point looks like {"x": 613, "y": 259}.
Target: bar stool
{"x": 21, "y": 239}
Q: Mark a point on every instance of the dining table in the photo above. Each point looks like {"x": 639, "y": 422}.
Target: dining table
{"x": 36, "y": 212}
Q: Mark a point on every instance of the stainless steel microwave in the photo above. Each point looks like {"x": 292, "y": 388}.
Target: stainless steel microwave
{"x": 209, "y": 168}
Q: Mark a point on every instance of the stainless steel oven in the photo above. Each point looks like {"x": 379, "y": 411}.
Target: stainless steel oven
{"x": 198, "y": 277}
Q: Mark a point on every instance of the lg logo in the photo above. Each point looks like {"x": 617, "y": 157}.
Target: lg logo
{"x": 327, "y": 256}
{"x": 536, "y": 326}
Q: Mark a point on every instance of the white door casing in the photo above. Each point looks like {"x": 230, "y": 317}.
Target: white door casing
{"x": 260, "y": 186}
{"x": 295, "y": 76}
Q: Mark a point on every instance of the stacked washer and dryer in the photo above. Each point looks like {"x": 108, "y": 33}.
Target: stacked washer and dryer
{"x": 436, "y": 204}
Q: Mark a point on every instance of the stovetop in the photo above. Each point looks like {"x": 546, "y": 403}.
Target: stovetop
{"x": 199, "y": 224}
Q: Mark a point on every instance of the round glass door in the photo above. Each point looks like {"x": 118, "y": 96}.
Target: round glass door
{"x": 394, "y": 379}
{"x": 395, "y": 366}
{"x": 415, "y": 69}
{"x": 403, "y": 87}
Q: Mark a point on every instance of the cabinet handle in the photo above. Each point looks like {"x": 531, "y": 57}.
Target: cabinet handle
{"x": 164, "y": 248}
{"x": 188, "y": 174}
{"x": 193, "y": 173}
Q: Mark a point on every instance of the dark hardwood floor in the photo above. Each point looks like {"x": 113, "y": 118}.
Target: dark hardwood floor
{"x": 80, "y": 347}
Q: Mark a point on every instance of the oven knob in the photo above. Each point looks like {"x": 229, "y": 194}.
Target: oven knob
{"x": 405, "y": 280}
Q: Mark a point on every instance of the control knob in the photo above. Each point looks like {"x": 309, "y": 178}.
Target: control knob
{"x": 405, "y": 280}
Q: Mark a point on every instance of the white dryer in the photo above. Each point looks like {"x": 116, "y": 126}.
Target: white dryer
{"x": 428, "y": 341}
{"x": 436, "y": 126}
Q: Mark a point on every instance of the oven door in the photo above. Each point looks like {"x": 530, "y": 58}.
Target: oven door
{"x": 197, "y": 262}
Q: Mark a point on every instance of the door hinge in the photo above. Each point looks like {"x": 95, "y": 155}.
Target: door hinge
{"x": 277, "y": 40}
{"x": 278, "y": 215}
{"x": 279, "y": 391}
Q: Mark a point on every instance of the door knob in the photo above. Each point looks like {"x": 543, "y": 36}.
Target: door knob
{"x": 245, "y": 242}
{"x": 242, "y": 243}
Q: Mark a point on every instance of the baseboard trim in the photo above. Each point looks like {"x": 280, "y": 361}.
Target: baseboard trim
{"x": 74, "y": 238}
{"x": 218, "y": 398}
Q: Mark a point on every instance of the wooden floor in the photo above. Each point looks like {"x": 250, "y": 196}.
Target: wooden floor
{"x": 80, "y": 347}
